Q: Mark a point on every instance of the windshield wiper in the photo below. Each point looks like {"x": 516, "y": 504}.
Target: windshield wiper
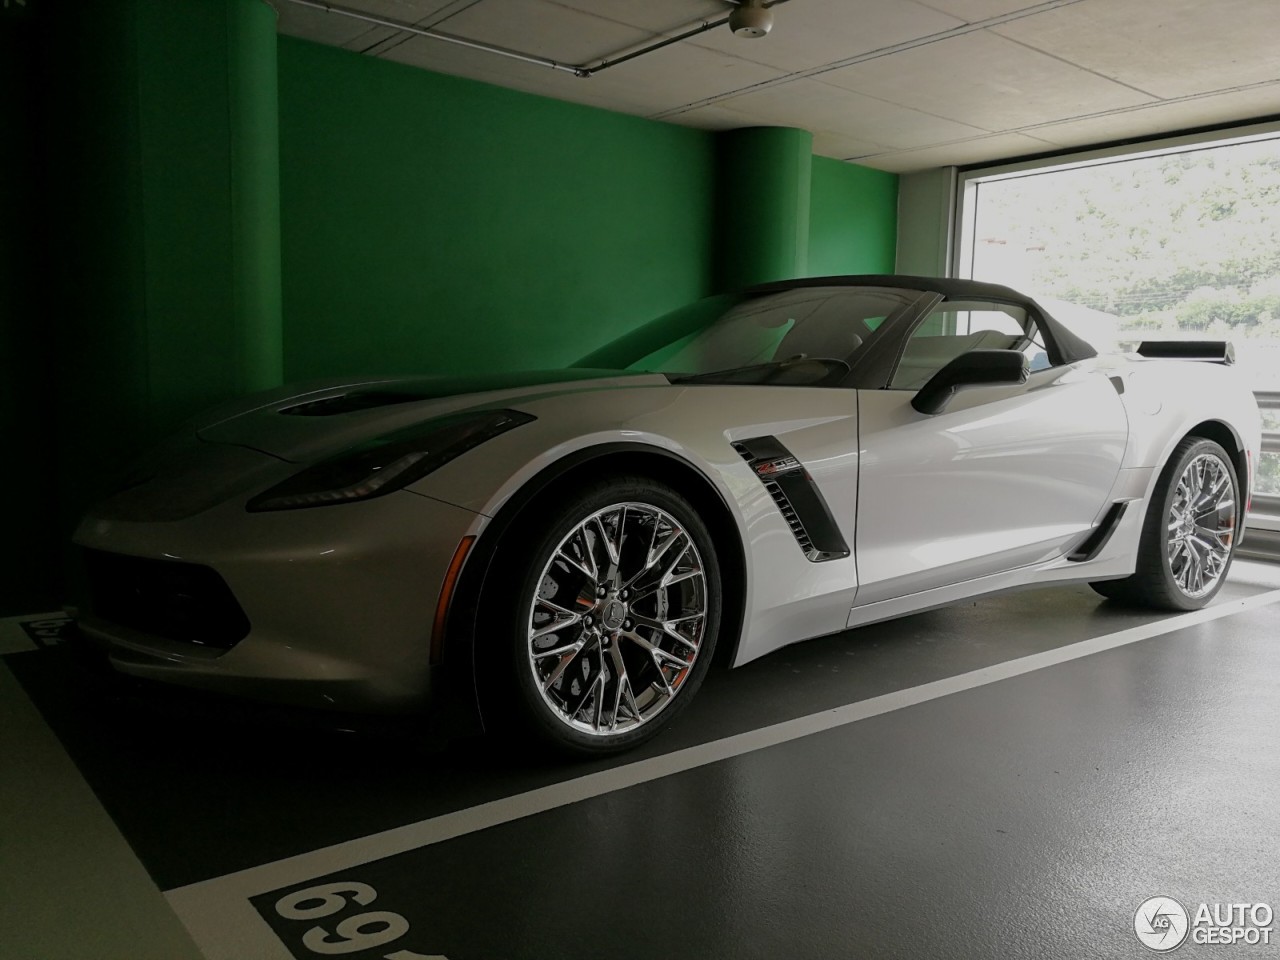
{"x": 797, "y": 371}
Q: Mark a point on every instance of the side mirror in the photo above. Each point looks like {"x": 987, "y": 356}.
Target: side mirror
{"x": 970, "y": 370}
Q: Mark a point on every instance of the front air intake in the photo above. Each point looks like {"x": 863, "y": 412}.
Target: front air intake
{"x": 171, "y": 599}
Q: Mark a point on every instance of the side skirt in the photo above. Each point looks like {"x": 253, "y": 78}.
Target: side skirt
{"x": 1023, "y": 578}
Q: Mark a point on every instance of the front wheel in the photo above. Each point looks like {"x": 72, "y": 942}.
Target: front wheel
{"x": 1189, "y": 535}
{"x": 612, "y": 616}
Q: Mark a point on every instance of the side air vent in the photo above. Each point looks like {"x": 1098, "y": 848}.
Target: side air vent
{"x": 1097, "y": 538}
{"x": 789, "y": 514}
{"x": 798, "y": 498}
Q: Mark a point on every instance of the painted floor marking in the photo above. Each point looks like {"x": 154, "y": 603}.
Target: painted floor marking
{"x": 14, "y": 639}
{"x": 226, "y": 926}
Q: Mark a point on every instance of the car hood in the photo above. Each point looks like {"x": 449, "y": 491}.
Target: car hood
{"x": 308, "y": 421}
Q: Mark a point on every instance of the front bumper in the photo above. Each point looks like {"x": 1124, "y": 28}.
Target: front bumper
{"x": 339, "y": 602}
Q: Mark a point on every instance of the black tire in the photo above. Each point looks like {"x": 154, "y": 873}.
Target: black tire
{"x": 1153, "y": 583}
{"x": 517, "y": 701}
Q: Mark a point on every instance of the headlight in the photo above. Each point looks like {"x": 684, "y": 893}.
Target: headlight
{"x": 388, "y": 463}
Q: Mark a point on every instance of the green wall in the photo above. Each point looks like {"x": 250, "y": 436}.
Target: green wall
{"x": 433, "y": 223}
{"x": 853, "y": 219}
{"x": 197, "y": 210}
{"x": 416, "y": 239}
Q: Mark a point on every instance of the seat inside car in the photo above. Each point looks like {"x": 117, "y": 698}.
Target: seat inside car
{"x": 818, "y": 342}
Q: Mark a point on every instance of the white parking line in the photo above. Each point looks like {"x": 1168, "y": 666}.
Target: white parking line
{"x": 225, "y": 925}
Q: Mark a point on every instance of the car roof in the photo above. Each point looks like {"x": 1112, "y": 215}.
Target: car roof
{"x": 947, "y": 286}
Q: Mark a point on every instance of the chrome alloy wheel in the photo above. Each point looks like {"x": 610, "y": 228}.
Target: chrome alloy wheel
{"x": 618, "y": 619}
{"x": 1201, "y": 525}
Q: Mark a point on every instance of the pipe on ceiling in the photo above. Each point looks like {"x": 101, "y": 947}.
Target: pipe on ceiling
{"x": 578, "y": 70}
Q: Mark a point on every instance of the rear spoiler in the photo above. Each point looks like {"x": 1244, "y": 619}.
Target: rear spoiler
{"x": 1212, "y": 351}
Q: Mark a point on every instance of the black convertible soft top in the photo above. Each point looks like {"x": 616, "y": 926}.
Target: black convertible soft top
{"x": 1069, "y": 347}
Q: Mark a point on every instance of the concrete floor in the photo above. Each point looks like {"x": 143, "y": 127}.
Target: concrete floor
{"x": 1010, "y": 777}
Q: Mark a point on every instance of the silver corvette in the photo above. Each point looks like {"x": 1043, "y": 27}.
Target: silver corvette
{"x": 562, "y": 553}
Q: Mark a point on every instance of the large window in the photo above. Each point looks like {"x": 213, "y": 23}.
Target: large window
{"x": 1181, "y": 242}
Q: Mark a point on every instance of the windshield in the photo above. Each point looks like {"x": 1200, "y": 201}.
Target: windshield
{"x": 802, "y": 337}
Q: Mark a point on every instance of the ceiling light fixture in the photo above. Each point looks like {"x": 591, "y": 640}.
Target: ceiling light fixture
{"x": 751, "y": 19}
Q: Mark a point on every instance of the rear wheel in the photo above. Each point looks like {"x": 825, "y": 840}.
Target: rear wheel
{"x": 609, "y": 617}
{"x": 1188, "y": 537}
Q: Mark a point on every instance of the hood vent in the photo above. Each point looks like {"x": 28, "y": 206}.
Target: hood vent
{"x": 350, "y": 403}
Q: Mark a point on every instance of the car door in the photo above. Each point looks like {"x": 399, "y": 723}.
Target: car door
{"x": 1005, "y": 476}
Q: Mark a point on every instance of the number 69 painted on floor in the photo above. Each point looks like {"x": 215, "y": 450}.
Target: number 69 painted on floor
{"x": 330, "y": 898}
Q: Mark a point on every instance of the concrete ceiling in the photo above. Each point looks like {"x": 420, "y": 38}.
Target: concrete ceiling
{"x": 900, "y": 85}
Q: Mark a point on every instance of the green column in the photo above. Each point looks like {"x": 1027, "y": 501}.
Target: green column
{"x": 763, "y": 204}
{"x": 255, "y": 191}
{"x": 208, "y": 136}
